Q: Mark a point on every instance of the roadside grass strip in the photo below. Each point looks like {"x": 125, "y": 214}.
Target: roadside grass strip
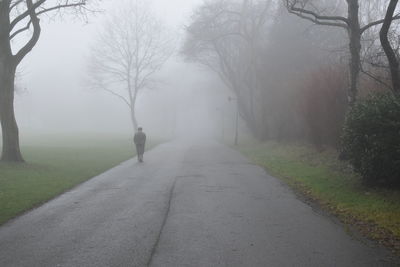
{"x": 53, "y": 169}
{"x": 321, "y": 178}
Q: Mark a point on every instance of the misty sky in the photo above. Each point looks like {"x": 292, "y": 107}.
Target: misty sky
{"x": 52, "y": 97}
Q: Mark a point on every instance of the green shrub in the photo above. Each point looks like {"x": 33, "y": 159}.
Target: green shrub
{"x": 371, "y": 139}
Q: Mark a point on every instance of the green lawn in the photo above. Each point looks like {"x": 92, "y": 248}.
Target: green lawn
{"x": 331, "y": 183}
{"x": 54, "y": 166}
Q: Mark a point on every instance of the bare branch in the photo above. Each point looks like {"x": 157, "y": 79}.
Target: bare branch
{"x": 15, "y": 4}
{"x": 31, "y": 9}
{"x": 127, "y": 102}
{"x": 58, "y": 7}
{"x": 35, "y": 35}
{"x": 316, "y": 21}
{"x": 376, "y": 79}
{"x": 21, "y": 30}
{"x": 336, "y": 21}
{"x": 375, "y": 23}
{"x": 39, "y": 4}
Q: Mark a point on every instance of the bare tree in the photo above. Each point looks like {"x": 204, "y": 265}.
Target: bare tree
{"x": 351, "y": 23}
{"x": 225, "y": 36}
{"x": 133, "y": 46}
{"x": 387, "y": 47}
{"x": 18, "y": 17}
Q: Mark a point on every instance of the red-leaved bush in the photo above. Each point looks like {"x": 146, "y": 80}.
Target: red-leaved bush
{"x": 323, "y": 104}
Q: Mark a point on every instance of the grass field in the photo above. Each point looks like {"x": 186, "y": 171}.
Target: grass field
{"x": 325, "y": 180}
{"x": 54, "y": 166}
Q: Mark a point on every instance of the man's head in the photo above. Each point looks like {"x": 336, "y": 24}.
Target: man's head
{"x": 140, "y": 129}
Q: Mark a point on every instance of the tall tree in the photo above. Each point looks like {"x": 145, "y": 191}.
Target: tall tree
{"x": 225, "y": 36}
{"x": 351, "y": 23}
{"x": 130, "y": 50}
{"x": 387, "y": 47}
{"x": 17, "y": 17}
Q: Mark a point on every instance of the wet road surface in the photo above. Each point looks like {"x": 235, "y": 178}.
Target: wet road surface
{"x": 189, "y": 204}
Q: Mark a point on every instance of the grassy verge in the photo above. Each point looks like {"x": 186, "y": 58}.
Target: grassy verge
{"x": 323, "y": 179}
{"x": 51, "y": 169}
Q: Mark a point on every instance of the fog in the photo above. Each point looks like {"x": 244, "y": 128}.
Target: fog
{"x": 288, "y": 78}
{"x": 52, "y": 97}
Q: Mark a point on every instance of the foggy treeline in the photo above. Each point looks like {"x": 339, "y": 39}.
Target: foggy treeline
{"x": 295, "y": 67}
{"x": 290, "y": 64}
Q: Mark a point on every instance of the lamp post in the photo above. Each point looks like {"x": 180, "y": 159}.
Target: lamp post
{"x": 236, "y": 120}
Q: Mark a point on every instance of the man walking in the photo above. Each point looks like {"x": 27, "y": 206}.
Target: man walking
{"x": 140, "y": 139}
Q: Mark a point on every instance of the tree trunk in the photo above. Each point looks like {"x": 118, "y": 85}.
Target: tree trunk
{"x": 133, "y": 119}
{"x": 387, "y": 47}
{"x": 10, "y": 136}
{"x": 355, "y": 49}
{"x": 133, "y": 113}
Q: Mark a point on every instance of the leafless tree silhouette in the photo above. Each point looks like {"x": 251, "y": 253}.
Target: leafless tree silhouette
{"x": 132, "y": 47}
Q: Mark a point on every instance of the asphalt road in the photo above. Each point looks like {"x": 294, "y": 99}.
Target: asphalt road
{"x": 189, "y": 204}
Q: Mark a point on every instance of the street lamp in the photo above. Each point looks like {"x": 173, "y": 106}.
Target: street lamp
{"x": 237, "y": 119}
